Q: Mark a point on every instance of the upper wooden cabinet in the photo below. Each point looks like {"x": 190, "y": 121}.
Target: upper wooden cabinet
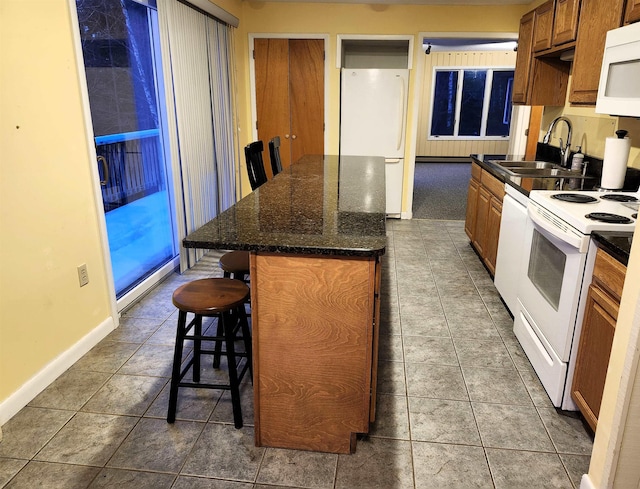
{"x": 543, "y": 27}
{"x": 553, "y": 28}
{"x": 632, "y": 12}
{"x": 596, "y": 18}
{"x": 538, "y": 81}
{"x": 565, "y": 25}
{"x": 523, "y": 59}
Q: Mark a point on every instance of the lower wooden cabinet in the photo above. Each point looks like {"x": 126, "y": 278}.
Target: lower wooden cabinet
{"x": 315, "y": 334}
{"x": 596, "y": 338}
{"x": 493, "y": 234}
{"x": 479, "y": 240}
{"x": 484, "y": 210}
{"x": 472, "y": 201}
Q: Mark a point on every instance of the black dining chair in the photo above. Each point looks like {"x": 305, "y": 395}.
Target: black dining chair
{"x": 235, "y": 264}
{"x": 255, "y": 164}
{"x": 274, "y": 155}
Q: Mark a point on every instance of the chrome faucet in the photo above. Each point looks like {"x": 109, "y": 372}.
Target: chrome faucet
{"x": 564, "y": 150}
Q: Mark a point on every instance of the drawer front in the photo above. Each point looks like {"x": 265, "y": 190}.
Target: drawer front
{"x": 609, "y": 273}
{"x": 493, "y": 185}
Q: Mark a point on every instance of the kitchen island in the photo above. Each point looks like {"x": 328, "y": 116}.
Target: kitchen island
{"x": 316, "y": 233}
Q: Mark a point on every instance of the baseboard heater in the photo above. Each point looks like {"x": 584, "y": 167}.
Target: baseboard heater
{"x": 443, "y": 159}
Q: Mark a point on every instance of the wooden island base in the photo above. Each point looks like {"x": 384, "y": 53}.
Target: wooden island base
{"x": 315, "y": 343}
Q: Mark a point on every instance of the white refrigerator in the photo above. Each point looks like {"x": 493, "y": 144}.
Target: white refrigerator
{"x": 373, "y": 113}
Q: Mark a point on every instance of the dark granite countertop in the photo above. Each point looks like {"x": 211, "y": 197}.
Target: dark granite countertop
{"x": 617, "y": 244}
{"x": 322, "y": 205}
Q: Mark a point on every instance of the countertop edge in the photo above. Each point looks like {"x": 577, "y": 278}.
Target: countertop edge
{"x": 614, "y": 244}
{"x": 289, "y": 250}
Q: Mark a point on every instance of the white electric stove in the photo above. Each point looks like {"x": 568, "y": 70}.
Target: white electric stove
{"x": 556, "y": 270}
{"x": 589, "y": 211}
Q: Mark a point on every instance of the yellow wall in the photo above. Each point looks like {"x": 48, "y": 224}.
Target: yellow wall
{"x": 49, "y": 221}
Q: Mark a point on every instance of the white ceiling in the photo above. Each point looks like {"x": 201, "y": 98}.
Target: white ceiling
{"x": 420, "y": 2}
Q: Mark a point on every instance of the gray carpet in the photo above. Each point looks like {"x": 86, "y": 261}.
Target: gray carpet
{"x": 440, "y": 190}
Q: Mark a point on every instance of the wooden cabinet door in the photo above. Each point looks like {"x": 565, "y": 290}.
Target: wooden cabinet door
{"x": 272, "y": 95}
{"x": 632, "y": 13}
{"x": 593, "y": 353}
{"x": 482, "y": 221}
{"x": 565, "y": 25}
{"x": 596, "y": 18}
{"x": 472, "y": 208}
{"x": 290, "y": 95}
{"x": 543, "y": 29}
{"x": 306, "y": 77}
{"x": 493, "y": 234}
{"x": 523, "y": 60}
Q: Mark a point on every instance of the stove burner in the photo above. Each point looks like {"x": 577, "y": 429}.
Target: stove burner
{"x": 606, "y": 217}
{"x": 619, "y": 197}
{"x": 576, "y": 198}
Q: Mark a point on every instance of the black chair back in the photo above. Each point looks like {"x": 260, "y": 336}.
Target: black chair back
{"x": 255, "y": 164}
{"x": 274, "y": 155}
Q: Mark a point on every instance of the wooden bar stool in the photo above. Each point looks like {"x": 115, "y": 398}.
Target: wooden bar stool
{"x": 235, "y": 264}
{"x": 223, "y": 298}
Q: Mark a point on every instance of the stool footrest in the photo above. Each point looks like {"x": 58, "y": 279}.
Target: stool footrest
{"x": 205, "y": 385}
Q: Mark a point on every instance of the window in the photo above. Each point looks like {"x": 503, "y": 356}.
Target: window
{"x": 471, "y": 103}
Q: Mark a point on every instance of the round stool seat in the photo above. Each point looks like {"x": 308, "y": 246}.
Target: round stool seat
{"x": 210, "y": 296}
{"x": 235, "y": 262}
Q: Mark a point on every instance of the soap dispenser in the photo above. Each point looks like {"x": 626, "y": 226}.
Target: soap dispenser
{"x": 577, "y": 162}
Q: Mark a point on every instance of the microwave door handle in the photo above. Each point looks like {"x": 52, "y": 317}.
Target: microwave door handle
{"x": 569, "y": 238}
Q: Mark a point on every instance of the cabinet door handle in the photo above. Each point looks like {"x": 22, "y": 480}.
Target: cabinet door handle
{"x": 293, "y": 136}
{"x": 286, "y": 136}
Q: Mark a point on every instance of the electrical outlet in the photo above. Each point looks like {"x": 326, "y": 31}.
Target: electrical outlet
{"x": 83, "y": 275}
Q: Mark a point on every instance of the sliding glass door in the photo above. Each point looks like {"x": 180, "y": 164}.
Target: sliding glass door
{"x": 124, "y": 80}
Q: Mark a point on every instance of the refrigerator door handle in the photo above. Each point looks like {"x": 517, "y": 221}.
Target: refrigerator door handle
{"x": 401, "y": 111}
{"x": 392, "y": 160}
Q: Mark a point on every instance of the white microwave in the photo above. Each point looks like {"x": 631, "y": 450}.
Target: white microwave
{"x": 619, "y": 89}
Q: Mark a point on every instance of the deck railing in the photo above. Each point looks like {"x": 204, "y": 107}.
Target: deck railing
{"x": 131, "y": 166}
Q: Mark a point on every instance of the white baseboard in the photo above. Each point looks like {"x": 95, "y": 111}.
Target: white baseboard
{"x": 585, "y": 482}
{"x": 50, "y": 372}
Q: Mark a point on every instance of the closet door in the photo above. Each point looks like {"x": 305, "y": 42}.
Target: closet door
{"x": 290, "y": 95}
{"x": 272, "y": 95}
{"x": 306, "y": 82}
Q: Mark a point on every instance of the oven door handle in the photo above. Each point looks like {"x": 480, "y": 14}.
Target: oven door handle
{"x": 565, "y": 235}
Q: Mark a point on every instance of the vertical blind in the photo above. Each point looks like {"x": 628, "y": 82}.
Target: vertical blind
{"x": 198, "y": 51}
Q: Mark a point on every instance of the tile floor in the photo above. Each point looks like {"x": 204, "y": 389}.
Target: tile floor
{"x": 459, "y": 405}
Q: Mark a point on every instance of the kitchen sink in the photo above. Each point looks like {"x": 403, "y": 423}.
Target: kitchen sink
{"x": 544, "y": 172}
{"x": 525, "y": 164}
{"x": 535, "y": 169}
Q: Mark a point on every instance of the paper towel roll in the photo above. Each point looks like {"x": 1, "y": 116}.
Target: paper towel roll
{"x": 614, "y": 166}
